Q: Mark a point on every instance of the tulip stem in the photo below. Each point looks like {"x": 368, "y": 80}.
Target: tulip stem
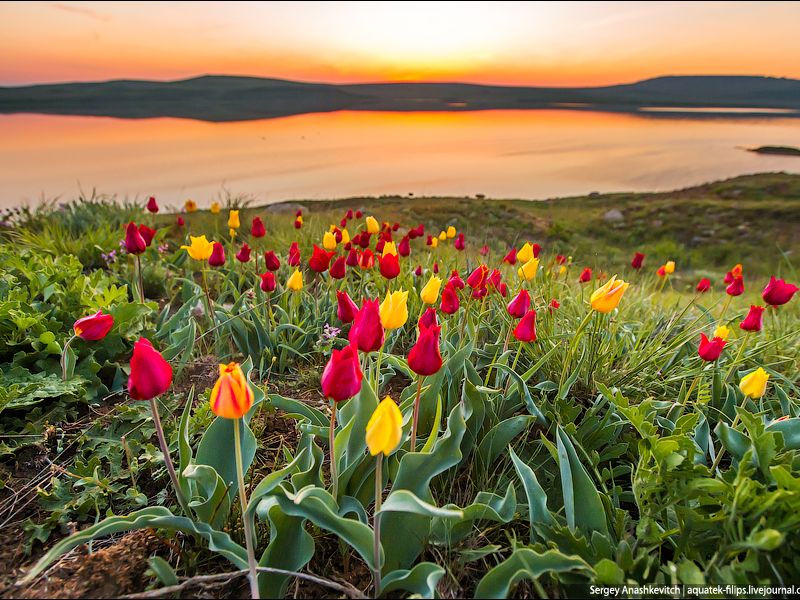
{"x": 162, "y": 441}
{"x": 378, "y": 374}
{"x": 571, "y": 351}
{"x": 331, "y": 438}
{"x": 376, "y": 539}
{"x": 415, "y": 418}
{"x": 64, "y": 358}
{"x": 208, "y": 299}
{"x": 248, "y": 534}
{"x": 141, "y": 279}
{"x": 738, "y": 356}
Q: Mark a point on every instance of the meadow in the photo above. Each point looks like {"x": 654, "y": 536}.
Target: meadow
{"x": 399, "y": 396}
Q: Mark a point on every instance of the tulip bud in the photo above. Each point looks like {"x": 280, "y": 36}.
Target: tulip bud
{"x": 754, "y": 384}
{"x": 427, "y": 318}
{"x": 586, "y": 276}
{"x": 352, "y": 258}
{"x": 450, "y": 302}
{"x": 150, "y": 374}
{"x": 233, "y": 219}
{"x": 152, "y": 205}
{"x": 511, "y": 257}
{"x": 271, "y": 261}
{"x": 778, "y": 292}
{"x": 338, "y": 268}
{"x": 320, "y": 259}
{"x": 389, "y": 266}
{"x": 94, "y": 327}
{"x": 638, "y": 260}
{"x": 736, "y": 288}
{"x": 294, "y": 255}
{"x": 295, "y": 282}
{"x": 346, "y": 309}
{"x": 519, "y": 305}
{"x": 606, "y": 298}
{"x": 424, "y": 358}
{"x": 710, "y": 350}
{"x": 134, "y": 242}
{"x": 384, "y": 429}
{"x": 477, "y": 278}
{"x": 367, "y": 331}
{"x": 342, "y": 376}
{"x": 267, "y": 281}
{"x": 525, "y": 331}
{"x": 529, "y": 269}
{"x": 703, "y": 286}
{"x": 215, "y": 208}
{"x": 329, "y": 241}
{"x": 366, "y": 260}
{"x": 231, "y": 397}
{"x": 257, "y": 229}
{"x": 752, "y": 322}
{"x": 217, "y": 258}
{"x": 372, "y": 225}
{"x": 394, "y": 310}
{"x": 404, "y": 247}
{"x": 243, "y": 255}
{"x": 430, "y": 293}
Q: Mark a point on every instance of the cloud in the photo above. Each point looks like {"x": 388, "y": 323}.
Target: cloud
{"x": 80, "y": 10}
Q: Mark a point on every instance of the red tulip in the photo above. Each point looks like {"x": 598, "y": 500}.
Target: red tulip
{"x": 418, "y": 271}
{"x": 366, "y": 260}
{"x": 364, "y": 239}
{"x": 519, "y": 305}
{"x": 390, "y": 266}
{"x": 298, "y": 212}
{"x": 152, "y": 205}
{"x": 503, "y": 289}
{"x": 346, "y": 309}
{"x": 450, "y": 302}
{"x": 661, "y": 271}
{"x": 134, "y": 242}
{"x": 271, "y": 261}
{"x": 778, "y": 292}
{"x": 257, "y": 229}
{"x": 709, "y": 350}
{"x": 494, "y": 278}
{"x": 511, "y": 257}
{"x": 456, "y": 281}
{"x": 179, "y": 221}
{"x": 459, "y": 243}
{"x": 480, "y": 292}
{"x": 416, "y": 232}
{"x": 752, "y": 322}
{"x": 435, "y": 268}
{"x": 638, "y": 260}
{"x": 554, "y": 305}
{"x": 477, "y": 278}
{"x": 147, "y": 233}
{"x": 736, "y": 288}
{"x": 342, "y": 376}
{"x": 395, "y": 226}
{"x": 703, "y": 286}
{"x": 525, "y": 331}
{"x": 367, "y": 331}
{"x": 735, "y": 272}
{"x": 349, "y": 214}
{"x": 94, "y": 327}
{"x": 560, "y": 259}
{"x": 424, "y": 358}
{"x": 404, "y": 247}
{"x": 320, "y": 259}
{"x": 338, "y": 268}
{"x": 298, "y": 223}
{"x": 268, "y": 281}
{"x": 537, "y": 249}
{"x": 429, "y": 241}
{"x": 586, "y": 275}
{"x": 150, "y": 374}
{"x": 343, "y": 223}
{"x": 427, "y": 318}
{"x": 484, "y": 250}
{"x": 352, "y": 258}
{"x": 243, "y": 255}
{"x": 217, "y": 258}
{"x": 294, "y": 255}
{"x": 359, "y": 214}
{"x": 379, "y": 246}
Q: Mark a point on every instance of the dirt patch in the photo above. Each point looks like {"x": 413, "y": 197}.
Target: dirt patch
{"x": 111, "y": 571}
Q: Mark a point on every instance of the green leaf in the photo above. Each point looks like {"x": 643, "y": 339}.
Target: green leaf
{"x": 162, "y": 570}
{"x": 526, "y": 564}
{"x": 404, "y": 501}
{"x": 421, "y": 580}
{"x": 582, "y": 503}
{"x": 537, "y": 499}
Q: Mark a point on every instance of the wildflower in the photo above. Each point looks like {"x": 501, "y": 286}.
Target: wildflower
{"x": 752, "y": 322}
{"x": 271, "y": 261}
{"x": 199, "y": 248}
{"x": 367, "y": 331}
{"x": 389, "y": 266}
{"x": 295, "y": 282}
{"x": 342, "y": 376}
{"x": 525, "y": 331}
{"x": 134, "y": 242}
{"x": 152, "y": 205}
{"x": 528, "y": 270}
{"x": 217, "y": 258}
{"x": 150, "y": 374}
{"x": 338, "y": 268}
{"x": 477, "y": 279}
{"x": 427, "y": 318}
{"x": 346, "y": 309}
{"x": 233, "y": 219}
{"x": 586, "y": 276}
{"x": 94, "y": 327}
{"x": 329, "y": 241}
{"x": 190, "y": 206}
{"x": 257, "y": 229}
{"x": 606, "y": 298}
{"x": 243, "y": 255}
{"x": 722, "y": 332}
{"x": 372, "y": 225}
{"x": 215, "y": 208}
{"x": 450, "y": 302}
{"x": 778, "y": 292}
{"x": 511, "y": 257}
{"x": 736, "y": 287}
{"x": 268, "y": 281}
{"x": 320, "y": 259}
{"x": 710, "y": 350}
{"x": 754, "y": 384}
{"x": 519, "y": 305}
{"x": 425, "y": 358}
{"x": 430, "y": 293}
{"x": 703, "y": 286}
{"x": 637, "y": 261}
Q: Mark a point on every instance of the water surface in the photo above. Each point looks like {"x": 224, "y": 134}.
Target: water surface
{"x": 510, "y": 154}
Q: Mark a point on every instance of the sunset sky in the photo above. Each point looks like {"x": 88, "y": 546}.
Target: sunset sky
{"x": 536, "y": 43}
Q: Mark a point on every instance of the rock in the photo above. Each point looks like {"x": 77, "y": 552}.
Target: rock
{"x": 613, "y": 216}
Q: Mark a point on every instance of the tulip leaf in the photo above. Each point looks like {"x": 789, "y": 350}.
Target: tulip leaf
{"x": 210, "y": 502}
{"x": 152, "y": 517}
{"x": 537, "y": 499}
{"x": 216, "y": 449}
{"x": 298, "y": 410}
{"x": 404, "y": 501}
{"x": 582, "y": 504}
{"x": 525, "y": 563}
{"x": 436, "y": 426}
{"x": 499, "y": 436}
{"x": 421, "y": 580}
{"x": 486, "y": 507}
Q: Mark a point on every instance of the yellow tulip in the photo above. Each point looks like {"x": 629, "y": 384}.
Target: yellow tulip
{"x": 721, "y": 332}
{"x": 385, "y": 428}
{"x": 190, "y": 206}
{"x": 389, "y": 248}
{"x": 329, "y": 241}
{"x": 669, "y": 267}
{"x": 394, "y": 310}
{"x": 430, "y": 293}
{"x": 443, "y": 235}
{"x": 562, "y": 270}
{"x": 299, "y": 219}
{"x": 528, "y": 270}
{"x": 295, "y": 282}
{"x": 451, "y": 232}
{"x": 754, "y": 384}
{"x": 434, "y": 242}
{"x": 215, "y": 208}
{"x": 231, "y": 397}
{"x": 200, "y": 248}
{"x": 525, "y": 253}
{"x": 345, "y": 237}
{"x": 606, "y": 298}
{"x": 233, "y": 219}
{"x": 232, "y": 232}
{"x": 372, "y": 225}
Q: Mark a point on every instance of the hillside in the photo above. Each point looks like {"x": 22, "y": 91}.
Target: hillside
{"x": 225, "y": 98}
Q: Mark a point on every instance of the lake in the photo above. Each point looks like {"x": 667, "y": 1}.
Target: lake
{"x": 511, "y": 154}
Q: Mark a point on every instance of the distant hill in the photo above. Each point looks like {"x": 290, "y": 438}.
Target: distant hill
{"x": 225, "y": 98}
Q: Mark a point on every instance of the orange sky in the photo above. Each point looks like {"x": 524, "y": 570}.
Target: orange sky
{"x": 569, "y": 43}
